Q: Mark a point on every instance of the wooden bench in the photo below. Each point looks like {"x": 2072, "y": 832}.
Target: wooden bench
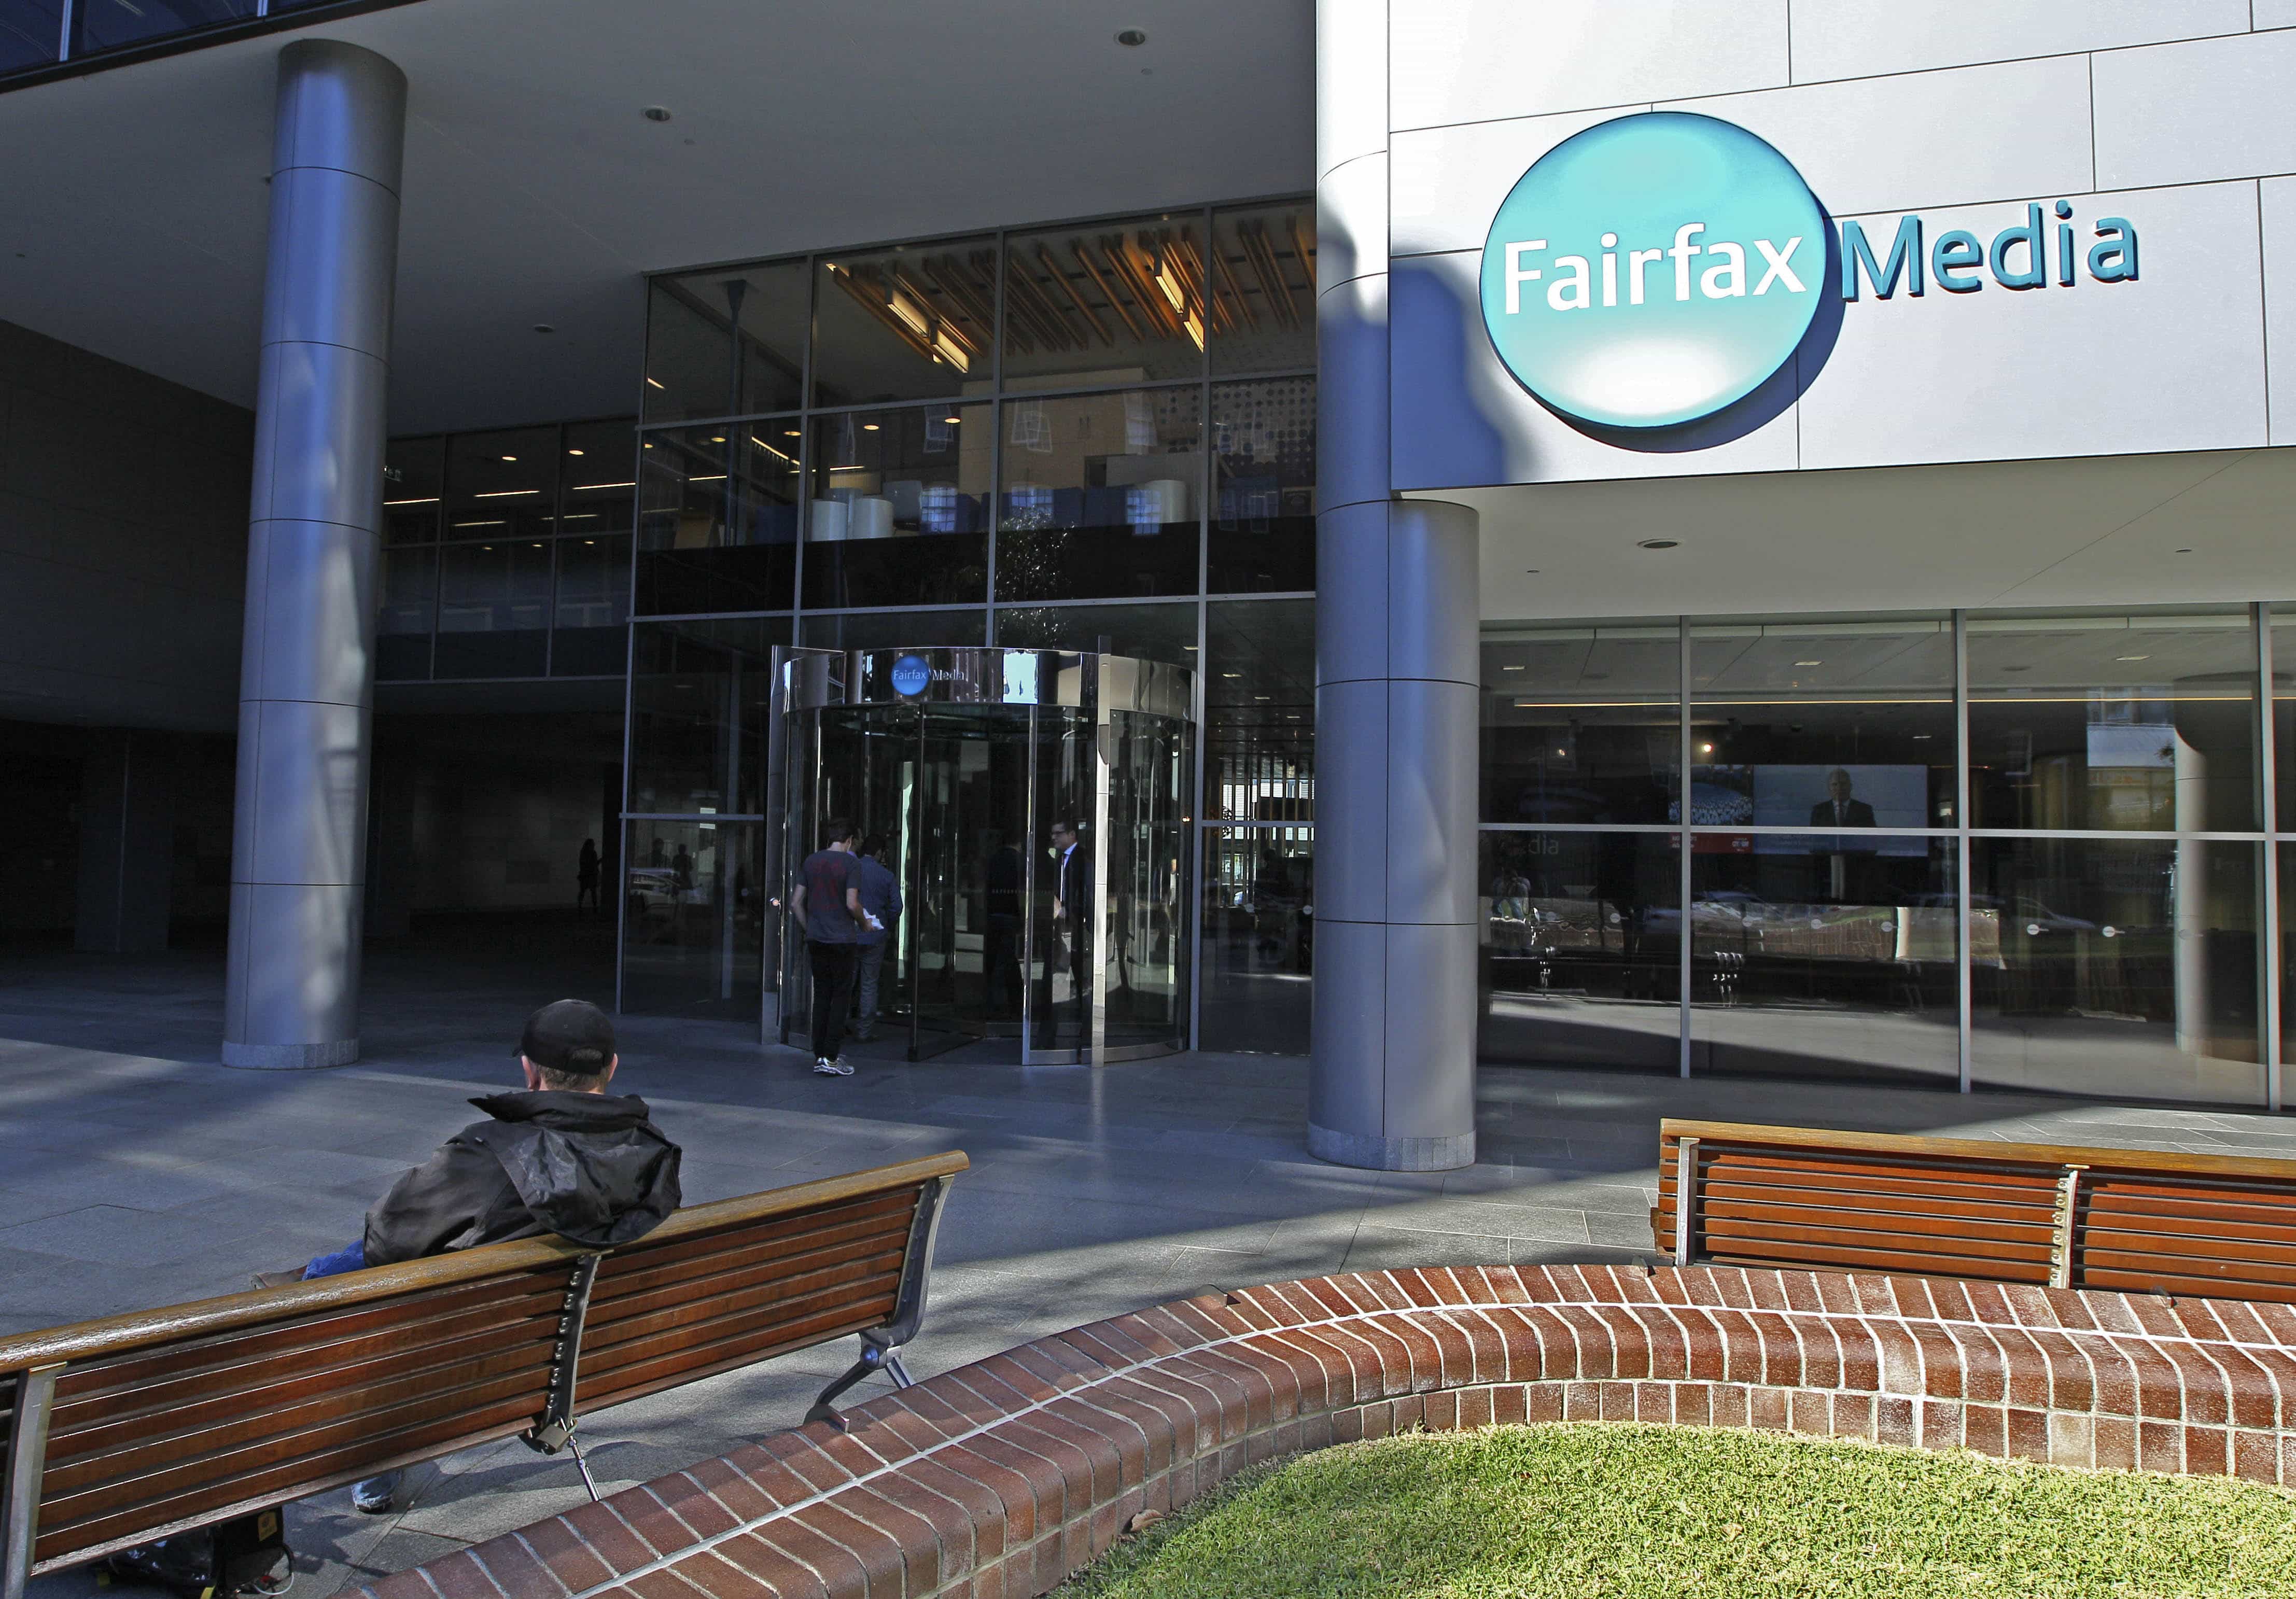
{"x": 121, "y": 1430}
{"x": 2056, "y": 1215}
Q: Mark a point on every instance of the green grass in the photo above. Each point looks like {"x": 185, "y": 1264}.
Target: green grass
{"x": 1576, "y": 1511}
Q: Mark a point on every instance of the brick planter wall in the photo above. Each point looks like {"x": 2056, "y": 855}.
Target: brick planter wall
{"x": 998, "y": 1480}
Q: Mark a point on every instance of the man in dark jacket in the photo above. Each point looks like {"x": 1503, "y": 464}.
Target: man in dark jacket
{"x": 563, "y": 1156}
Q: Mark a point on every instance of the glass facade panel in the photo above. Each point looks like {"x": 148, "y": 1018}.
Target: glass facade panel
{"x": 1259, "y": 710}
{"x": 111, "y": 24}
{"x": 903, "y": 324}
{"x": 2138, "y": 723}
{"x": 1148, "y": 840}
{"x": 589, "y": 639}
{"x": 1263, "y": 514}
{"x": 598, "y": 491}
{"x": 494, "y": 609}
{"x": 699, "y": 694}
{"x": 899, "y": 511}
{"x": 2125, "y": 968}
{"x": 697, "y": 367}
{"x": 1150, "y": 632}
{"x": 1104, "y": 303}
{"x": 1258, "y": 952}
{"x": 691, "y": 936}
{"x": 893, "y": 629}
{"x": 410, "y": 598}
{"x": 414, "y": 480}
{"x": 1829, "y": 953}
{"x": 1581, "y": 723}
{"x": 1264, "y": 288}
{"x": 717, "y": 517}
{"x": 31, "y": 32}
{"x": 1581, "y": 949}
{"x": 1831, "y": 724}
{"x": 1100, "y": 495}
{"x": 2284, "y": 718}
{"x": 502, "y": 485}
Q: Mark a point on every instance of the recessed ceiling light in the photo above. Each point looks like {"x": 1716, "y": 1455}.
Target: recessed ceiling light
{"x": 656, "y": 382}
{"x": 1510, "y": 668}
{"x": 573, "y": 452}
{"x": 1132, "y": 39}
{"x": 789, "y": 433}
{"x": 952, "y": 421}
{"x": 656, "y": 113}
{"x": 868, "y": 427}
{"x": 1706, "y": 749}
{"x": 2132, "y": 658}
{"x": 716, "y": 438}
{"x": 1230, "y": 674}
{"x": 1260, "y": 696}
{"x": 1809, "y": 663}
{"x": 509, "y": 457}
{"x": 1658, "y": 544}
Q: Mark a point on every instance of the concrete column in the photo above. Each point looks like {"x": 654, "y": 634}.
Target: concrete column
{"x": 126, "y": 841}
{"x": 307, "y": 672}
{"x": 1392, "y": 1083}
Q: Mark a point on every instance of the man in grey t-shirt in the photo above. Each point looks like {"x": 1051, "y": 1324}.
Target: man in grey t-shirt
{"x": 827, "y": 904}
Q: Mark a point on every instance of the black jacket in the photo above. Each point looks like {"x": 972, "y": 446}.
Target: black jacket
{"x": 590, "y": 1168}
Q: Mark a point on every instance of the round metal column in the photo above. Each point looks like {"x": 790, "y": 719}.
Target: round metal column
{"x": 306, "y": 674}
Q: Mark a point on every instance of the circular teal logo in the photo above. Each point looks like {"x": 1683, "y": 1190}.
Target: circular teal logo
{"x": 1653, "y": 270}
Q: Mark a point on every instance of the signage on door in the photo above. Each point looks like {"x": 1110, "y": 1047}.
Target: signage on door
{"x": 912, "y": 675}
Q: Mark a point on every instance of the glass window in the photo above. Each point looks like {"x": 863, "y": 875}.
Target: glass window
{"x": 2284, "y": 715}
{"x": 893, "y": 629}
{"x": 717, "y": 517}
{"x": 1823, "y": 723}
{"x": 696, "y": 367}
{"x": 1581, "y": 949}
{"x": 1264, "y": 288}
{"x": 410, "y": 593}
{"x": 594, "y": 605}
{"x": 1257, "y": 957}
{"x": 699, "y": 693}
{"x": 494, "y": 609}
{"x": 1263, "y": 520}
{"x": 2144, "y": 722}
{"x": 1581, "y": 723}
{"x": 2117, "y": 968}
{"x": 109, "y": 24}
{"x": 904, "y": 324}
{"x": 1109, "y": 302}
{"x": 1828, "y": 954}
{"x": 598, "y": 491}
{"x": 1259, "y": 709}
{"x": 1101, "y": 494}
{"x": 30, "y": 33}
{"x": 692, "y": 932}
{"x": 899, "y": 507}
{"x": 502, "y": 485}
{"x": 414, "y": 479}
{"x": 1145, "y": 632}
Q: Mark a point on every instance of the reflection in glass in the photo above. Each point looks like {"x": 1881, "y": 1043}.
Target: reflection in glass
{"x": 717, "y": 517}
{"x": 2132, "y": 722}
{"x": 414, "y": 480}
{"x": 900, "y": 323}
{"x": 30, "y": 31}
{"x": 1263, "y": 514}
{"x": 1580, "y": 724}
{"x": 893, "y": 629}
{"x": 1100, "y": 495}
{"x": 1147, "y": 631}
{"x": 1259, "y": 938}
{"x": 1581, "y": 949}
{"x": 494, "y": 609}
{"x": 699, "y": 695}
{"x": 1825, "y": 954}
{"x": 691, "y": 928}
{"x": 1829, "y": 723}
{"x": 410, "y": 593}
{"x": 899, "y": 507}
{"x": 502, "y": 485}
{"x": 1109, "y": 302}
{"x": 1264, "y": 288}
{"x": 1147, "y": 867}
{"x": 598, "y": 491}
{"x": 1259, "y": 709}
{"x": 109, "y": 24}
{"x": 2125, "y": 968}
{"x": 2284, "y": 718}
{"x": 695, "y": 367}
{"x": 593, "y": 604}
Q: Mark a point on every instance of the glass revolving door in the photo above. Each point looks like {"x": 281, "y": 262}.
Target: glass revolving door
{"x": 1031, "y": 806}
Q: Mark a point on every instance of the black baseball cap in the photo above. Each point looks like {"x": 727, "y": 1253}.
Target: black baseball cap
{"x": 569, "y": 1035}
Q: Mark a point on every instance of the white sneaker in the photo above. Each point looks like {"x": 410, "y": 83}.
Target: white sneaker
{"x": 822, "y": 1066}
{"x": 837, "y": 1068}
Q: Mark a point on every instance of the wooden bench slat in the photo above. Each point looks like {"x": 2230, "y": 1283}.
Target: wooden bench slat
{"x": 698, "y": 1359}
{"x": 1975, "y": 1247}
{"x": 639, "y": 1293}
{"x": 1898, "y": 1262}
{"x": 761, "y": 1308}
{"x": 2154, "y": 1282}
{"x": 853, "y": 1278}
{"x": 1888, "y": 1204}
{"x": 1750, "y": 1218}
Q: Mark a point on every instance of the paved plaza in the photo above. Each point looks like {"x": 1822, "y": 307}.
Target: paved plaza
{"x": 135, "y": 1171}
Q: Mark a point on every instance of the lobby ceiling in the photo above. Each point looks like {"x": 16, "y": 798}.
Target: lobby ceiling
{"x": 133, "y": 206}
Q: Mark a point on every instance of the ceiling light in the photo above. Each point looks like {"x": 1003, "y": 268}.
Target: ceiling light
{"x": 1809, "y": 663}
{"x": 504, "y": 494}
{"x": 1658, "y": 544}
{"x": 656, "y": 382}
{"x": 716, "y": 438}
{"x": 589, "y": 541}
{"x": 952, "y": 421}
{"x": 1512, "y": 669}
{"x": 1706, "y": 749}
{"x": 791, "y": 433}
{"x": 426, "y": 500}
{"x": 869, "y": 427}
{"x": 511, "y": 458}
{"x": 2132, "y": 658}
{"x": 1132, "y": 39}
{"x": 573, "y": 452}
{"x": 1260, "y": 696}
{"x": 1230, "y": 674}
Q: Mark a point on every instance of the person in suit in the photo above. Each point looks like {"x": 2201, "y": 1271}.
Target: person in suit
{"x": 1840, "y": 810}
{"x": 1841, "y": 873}
{"x": 1073, "y": 903}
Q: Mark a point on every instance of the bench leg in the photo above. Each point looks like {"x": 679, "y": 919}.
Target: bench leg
{"x": 873, "y": 1357}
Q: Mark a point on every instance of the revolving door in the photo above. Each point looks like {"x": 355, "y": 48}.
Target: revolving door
{"x": 964, "y": 763}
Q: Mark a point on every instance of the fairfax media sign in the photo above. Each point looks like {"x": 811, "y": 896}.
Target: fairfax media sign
{"x": 1657, "y": 270}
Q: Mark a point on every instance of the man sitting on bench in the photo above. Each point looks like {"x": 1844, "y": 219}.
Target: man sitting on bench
{"x": 563, "y": 1156}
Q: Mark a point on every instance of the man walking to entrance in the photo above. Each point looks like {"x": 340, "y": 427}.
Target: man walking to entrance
{"x": 1072, "y": 907}
{"x": 827, "y": 904}
{"x": 881, "y": 908}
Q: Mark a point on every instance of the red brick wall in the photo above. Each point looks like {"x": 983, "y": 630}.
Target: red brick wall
{"x": 996, "y": 1480}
